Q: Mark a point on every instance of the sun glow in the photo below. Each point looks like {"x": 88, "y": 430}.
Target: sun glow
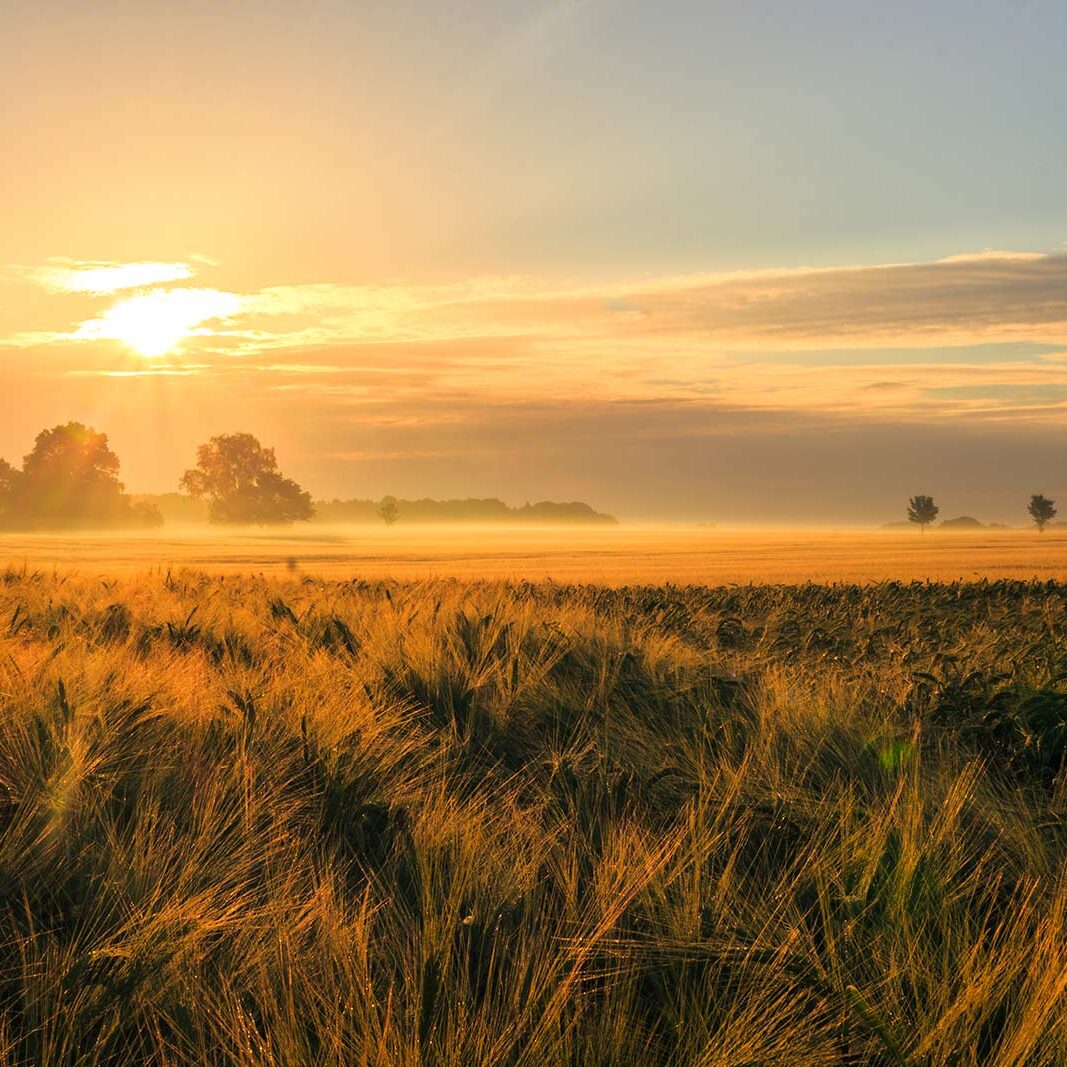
{"x": 99, "y": 278}
{"x": 156, "y": 323}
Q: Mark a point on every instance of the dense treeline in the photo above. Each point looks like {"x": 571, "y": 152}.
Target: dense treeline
{"x": 180, "y": 509}
{"x": 491, "y": 509}
{"x": 70, "y": 480}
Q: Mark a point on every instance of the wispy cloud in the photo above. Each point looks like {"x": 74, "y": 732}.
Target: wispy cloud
{"x": 155, "y": 322}
{"x": 76, "y": 276}
{"x": 992, "y": 296}
{"x": 762, "y": 339}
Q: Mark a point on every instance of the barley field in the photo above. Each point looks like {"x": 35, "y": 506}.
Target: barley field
{"x": 286, "y": 820}
{"x": 605, "y": 555}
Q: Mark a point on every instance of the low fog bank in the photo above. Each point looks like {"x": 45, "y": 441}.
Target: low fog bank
{"x": 622, "y": 555}
{"x": 71, "y": 480}
{"x": 179, "y": 509}
{"x": 515, "y": 534}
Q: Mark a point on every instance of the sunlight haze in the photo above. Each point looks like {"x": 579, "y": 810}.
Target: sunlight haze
{"x": 533, "y": 533}
{"x": 741, "y": 263}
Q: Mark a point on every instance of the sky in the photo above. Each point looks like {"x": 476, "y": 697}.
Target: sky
{"x": 759, "y": 262}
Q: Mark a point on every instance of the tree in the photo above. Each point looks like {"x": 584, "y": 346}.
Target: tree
{"x": 922, "y": 510}
{"x": 9, "y": 477}
{"x": 241, "y": 482}
{"x": 387, "y": 510}
{"x": 1042, "y": 511}
{"x": 70, "y": 478}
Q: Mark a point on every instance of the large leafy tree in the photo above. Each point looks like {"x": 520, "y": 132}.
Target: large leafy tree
{"x": 240, "y": 480}
{"x": 70, "y": 478}
{"x": 9, "y": 477}
{"x": 922, "y": 510}
{"x": 1042, "y": 511}
{"x": 388, "y": 510}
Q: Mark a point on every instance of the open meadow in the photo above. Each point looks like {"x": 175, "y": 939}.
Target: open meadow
{"x": 288, "y": 820}
{"x": 605, "y": 555}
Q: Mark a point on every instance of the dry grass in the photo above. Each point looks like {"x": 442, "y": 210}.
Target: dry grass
{"x": 283, "y": 821}
{"x": 608, "y": 556}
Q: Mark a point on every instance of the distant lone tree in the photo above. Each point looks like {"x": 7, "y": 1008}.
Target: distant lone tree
{"x": 388, "y": 511}
{"x": 240, "y": 480}
{"x": 1042, "y": 511}
{"x": 922, "y": 510}
{"x": 70, "y": 479}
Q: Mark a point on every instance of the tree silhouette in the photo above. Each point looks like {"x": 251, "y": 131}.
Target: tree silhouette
{"x": 1042, "y": 511}
{"x": 387, "y": 510}
{"x": 922, "y": 510}
{"x": 9, "y": 477}
{"x": 242, "y": 484}
{"x": 70, "y": 478}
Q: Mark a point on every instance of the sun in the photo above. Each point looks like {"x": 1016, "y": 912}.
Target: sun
{"x": 155, "y": 323}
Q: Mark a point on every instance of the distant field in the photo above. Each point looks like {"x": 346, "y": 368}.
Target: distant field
{"x": 619, "y": 556}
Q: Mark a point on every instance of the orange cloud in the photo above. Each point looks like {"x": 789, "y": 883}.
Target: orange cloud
{"x": 728, "y": 337}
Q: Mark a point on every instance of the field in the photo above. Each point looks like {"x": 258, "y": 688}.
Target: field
{"x": 607, "y": 556}
{"x": 286, "y": 820}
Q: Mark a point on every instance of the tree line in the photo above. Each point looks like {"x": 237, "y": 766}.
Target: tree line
{"x": 70, "y": 480}
{"x": 473, "y": 510}
{"x": 923, "y": 511}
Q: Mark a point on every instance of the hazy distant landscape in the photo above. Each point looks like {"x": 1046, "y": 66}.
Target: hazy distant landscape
{"x": 178, "y": 509}
{"x": 452, "y": 782}
{"x": 533, "y": 533}
{"x": 621, "y": 555}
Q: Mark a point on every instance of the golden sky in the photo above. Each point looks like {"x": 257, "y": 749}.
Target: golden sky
{"x": 702, "y": 264}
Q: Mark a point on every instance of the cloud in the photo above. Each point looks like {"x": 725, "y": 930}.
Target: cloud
{"x": 140, "y": 372}
{"x": 965, "y": 299}
{"x": 692, "y": 458}
{"x": 991, "y": 297}
{"x": 962, "y": 300}
{"x": 811, "y": 450}
{"x": 155, "y": 322}
{"x": 764, "y": 339}
{"x": 75, "y": 276}
{"x": 385, "y": 455}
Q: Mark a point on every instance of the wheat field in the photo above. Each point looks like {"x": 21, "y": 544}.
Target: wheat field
{"x": 286, "y": 820}
{"x": 605, "y": 555}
